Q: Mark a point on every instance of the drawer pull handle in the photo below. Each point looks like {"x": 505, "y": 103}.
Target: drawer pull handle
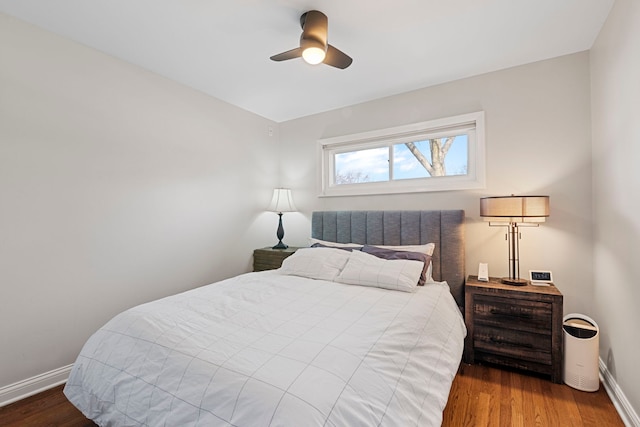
{"x": 515, "y": 344}
{"x": 510, "y": 314}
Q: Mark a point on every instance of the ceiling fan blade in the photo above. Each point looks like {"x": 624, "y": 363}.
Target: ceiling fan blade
{"x": 336, "y": 58}
{"x": 290, "y": 54}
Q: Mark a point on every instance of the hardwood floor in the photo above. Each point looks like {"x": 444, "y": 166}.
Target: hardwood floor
{"x": 47, "y": 409}
{"x": 480, "y": 396}
{"x": 485, "y": 396}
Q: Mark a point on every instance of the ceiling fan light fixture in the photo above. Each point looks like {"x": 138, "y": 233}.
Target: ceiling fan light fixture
{"x": 313, "y": 55}
{"x": 314, "y": 47}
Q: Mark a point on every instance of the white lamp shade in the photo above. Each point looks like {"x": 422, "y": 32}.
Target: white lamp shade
{"x": 282, "y": 201}
{"x": 515, "y": 208}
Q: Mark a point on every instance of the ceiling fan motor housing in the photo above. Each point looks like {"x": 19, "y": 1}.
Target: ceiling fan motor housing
{"x": 314, "y": 30}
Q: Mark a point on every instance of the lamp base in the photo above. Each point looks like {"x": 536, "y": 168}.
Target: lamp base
{"x": 280, "y": 245}
{"x": 280, "y": 234}
{"x": 514, "y": 282}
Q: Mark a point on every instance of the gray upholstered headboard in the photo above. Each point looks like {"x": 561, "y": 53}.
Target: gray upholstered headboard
{"x": 445, "y": 228}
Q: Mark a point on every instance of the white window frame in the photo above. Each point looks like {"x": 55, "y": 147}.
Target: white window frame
{"x": 471, "y": 124}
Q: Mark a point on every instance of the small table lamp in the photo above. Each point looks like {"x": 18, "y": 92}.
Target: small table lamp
{"x": 281, "y": 202}
{"x": 513, "y": 211}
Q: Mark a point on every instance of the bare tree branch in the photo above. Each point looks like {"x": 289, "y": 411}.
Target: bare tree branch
{"x": 439, "y": 150}
{"x": 351, "y": 177}
{"x": 447, "y": 144}
{"x": 420, "y": 157}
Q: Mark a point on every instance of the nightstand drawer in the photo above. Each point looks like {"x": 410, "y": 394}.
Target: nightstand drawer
{"x": 513, "y": 343}
{"x": 515, "y": 326}
{"x": 532, "y": 316}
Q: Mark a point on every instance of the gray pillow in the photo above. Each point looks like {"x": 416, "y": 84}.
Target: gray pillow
{"x": 392, "y": 254}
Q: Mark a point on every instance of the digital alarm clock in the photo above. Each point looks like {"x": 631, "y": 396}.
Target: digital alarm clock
{"x": 540, "y": 277}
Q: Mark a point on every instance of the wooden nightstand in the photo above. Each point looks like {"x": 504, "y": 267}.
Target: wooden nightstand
{"x": 270, "y": 259}
{"x": 515, "y": 326}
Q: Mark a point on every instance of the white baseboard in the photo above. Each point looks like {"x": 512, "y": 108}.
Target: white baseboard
{"x": 627, "y": 413}
{"x": 30, "y": 386}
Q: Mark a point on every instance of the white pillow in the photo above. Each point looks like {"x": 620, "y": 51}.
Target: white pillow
{"x": 313, "y": 241}
{"x": 427, "y": 249}
{"x": 369, "y": 270}
{"x": 315, "y": 263}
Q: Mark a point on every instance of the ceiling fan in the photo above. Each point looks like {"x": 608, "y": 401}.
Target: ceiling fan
{"x": 314, "y": 47}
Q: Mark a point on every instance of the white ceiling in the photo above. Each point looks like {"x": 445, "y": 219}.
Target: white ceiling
{"x": 222, "y": 47}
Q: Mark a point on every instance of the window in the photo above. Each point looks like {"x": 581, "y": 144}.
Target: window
{"x": 444, "y": 154}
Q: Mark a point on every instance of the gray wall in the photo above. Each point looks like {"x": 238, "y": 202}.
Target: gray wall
{"x": 538, "y": 141}
{"x": 117, "y": 187}
{"x": 615, "y": 67}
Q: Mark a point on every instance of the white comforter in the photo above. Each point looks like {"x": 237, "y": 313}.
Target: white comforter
{"x": 265, "y": 349}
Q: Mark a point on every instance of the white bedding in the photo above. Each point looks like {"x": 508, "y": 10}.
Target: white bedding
{"x": 266, "y": 349}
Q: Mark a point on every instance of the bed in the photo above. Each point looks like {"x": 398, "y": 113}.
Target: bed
{"x": 309, "y": 344}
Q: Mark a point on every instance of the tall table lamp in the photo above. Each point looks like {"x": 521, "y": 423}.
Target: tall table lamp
{"x": 513, "y": 211}
{"x": 280, "y": 203}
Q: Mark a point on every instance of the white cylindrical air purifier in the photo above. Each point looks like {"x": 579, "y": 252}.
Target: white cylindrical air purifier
{"x": 581, "y": 349}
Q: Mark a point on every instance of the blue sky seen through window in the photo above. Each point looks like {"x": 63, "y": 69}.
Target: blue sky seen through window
{"x": 372, "y": 165}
